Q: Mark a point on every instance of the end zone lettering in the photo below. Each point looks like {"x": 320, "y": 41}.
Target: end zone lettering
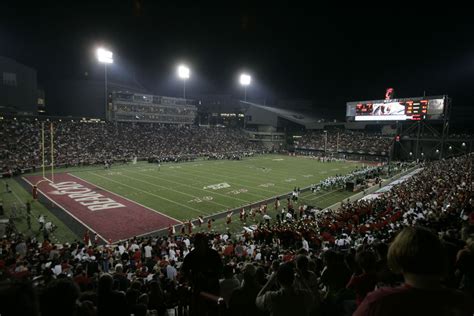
{"x": 91, "y": 199}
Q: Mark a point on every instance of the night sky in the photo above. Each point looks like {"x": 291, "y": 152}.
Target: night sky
{"x": 321, "y": 54}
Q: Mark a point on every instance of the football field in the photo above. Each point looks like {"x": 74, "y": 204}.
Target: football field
{"x": 186, "y": 190}
{"x": 130, "y": 200}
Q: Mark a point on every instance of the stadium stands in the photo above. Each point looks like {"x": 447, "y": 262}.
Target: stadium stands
{"x": 345, "y": 141}
{"x": 340, "y": 255}
{"x": 84, "y": 143}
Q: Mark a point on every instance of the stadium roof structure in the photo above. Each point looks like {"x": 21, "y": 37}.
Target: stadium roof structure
{"x": 295, "y": 117}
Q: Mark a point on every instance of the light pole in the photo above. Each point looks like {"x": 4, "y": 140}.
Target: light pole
{"x": 183, "y": 73}
{"x": 106, "y": 57}
{"x": 245, "y": 81}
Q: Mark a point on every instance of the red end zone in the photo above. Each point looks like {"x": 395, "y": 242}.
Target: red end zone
{"x": 108, "y": 214}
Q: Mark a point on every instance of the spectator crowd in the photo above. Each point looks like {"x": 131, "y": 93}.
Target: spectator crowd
{"x": 345, "y": 141}
{"x": 81, "y": 143}
{"x": 408, "y": 252}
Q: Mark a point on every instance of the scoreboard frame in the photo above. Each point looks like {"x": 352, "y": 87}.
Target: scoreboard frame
{"x": 403, "y": 109}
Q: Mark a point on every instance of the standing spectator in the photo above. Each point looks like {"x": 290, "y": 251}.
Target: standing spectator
{"x": 228, "y": 284}
{"x": 148, "y": 251}
{"x": 202, "y": 267}
{"x": 171, "y": 271}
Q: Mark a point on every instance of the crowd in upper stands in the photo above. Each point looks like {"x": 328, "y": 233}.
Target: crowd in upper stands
{"x": 345, "y": 141}
{"x": 81, "y": 143}
{"x": 332, "y": 262}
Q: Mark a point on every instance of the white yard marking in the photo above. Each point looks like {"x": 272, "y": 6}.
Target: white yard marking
{"x": 147, "y": 192}
{"x": 217, "y": 186}
{"x": 65, "y": 210}
{"x": 202, "y": 199}
{"x": 114, "y": 173}
{"x": 182, "y": 183}
{"x": 238, "y": 191}
{"x": 123, "y": 197}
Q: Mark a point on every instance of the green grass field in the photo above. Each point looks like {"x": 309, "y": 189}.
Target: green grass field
{"x": 186, "y": 190}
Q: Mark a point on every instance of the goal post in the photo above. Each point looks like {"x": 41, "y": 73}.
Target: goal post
{"x": 44, "y": 164}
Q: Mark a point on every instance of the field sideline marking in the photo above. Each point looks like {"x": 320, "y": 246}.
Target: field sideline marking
{"x": 64, "y": 209}
{"x": 187, "y": 185}
{"x": 318, "y": 196}
{"x": 123, "y": 197}
{"x": 149, "y": 193}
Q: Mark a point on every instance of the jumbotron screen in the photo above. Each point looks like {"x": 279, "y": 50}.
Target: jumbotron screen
{"x": 420, "y": 108}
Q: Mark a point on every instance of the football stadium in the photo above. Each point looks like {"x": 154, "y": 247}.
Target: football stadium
{"x": 232, "y": 185}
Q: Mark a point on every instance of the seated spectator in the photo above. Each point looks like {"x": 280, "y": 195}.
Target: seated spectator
{"x": 110, "y": 302}
{"x": 18, "y": 298}
{"x": 242, "y": 299}
{"x": 419, "y": 255}
{"x": 365, "y": 282}
{"x": 288, "y": 300}
{"x": 465, "y": 268}
{"x": 59, "y": 298}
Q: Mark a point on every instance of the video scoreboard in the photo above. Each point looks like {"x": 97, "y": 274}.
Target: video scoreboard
{"x": 420, "y": 108}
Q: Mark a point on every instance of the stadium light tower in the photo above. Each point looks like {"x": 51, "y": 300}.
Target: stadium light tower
{"x": 245, "y": 81}
{"x": 106, "y": 57}
{"x": 183, "y": 73}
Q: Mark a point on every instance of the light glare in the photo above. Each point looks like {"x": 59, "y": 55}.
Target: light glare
{"x": 245, "y": 79}
{"x": 183, "y": 72}
{"x": 104, "y": 56}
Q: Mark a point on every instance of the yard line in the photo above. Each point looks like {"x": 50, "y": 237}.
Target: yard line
{"x": 207, "y": 182}
{"x": 149, "y": 193}
{"x": 264, "y": 176}
{"x": 195, "y": 188}
{"x": 123, "y": 197}
{"x": 208, "y": 192}
{"x": 240, "y": 179}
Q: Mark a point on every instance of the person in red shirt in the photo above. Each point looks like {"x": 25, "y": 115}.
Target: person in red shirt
{"x": 209, "y": 224}
{"x": 365, "y": 282}
{"x": 86, "y": 238}
{"x": 418, "y": 254}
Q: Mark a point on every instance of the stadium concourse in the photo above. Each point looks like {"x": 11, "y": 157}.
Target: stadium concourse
{"x": 368, "y": 257}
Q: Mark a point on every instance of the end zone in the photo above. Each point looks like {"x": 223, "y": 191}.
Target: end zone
{"x": 111, "y": 216}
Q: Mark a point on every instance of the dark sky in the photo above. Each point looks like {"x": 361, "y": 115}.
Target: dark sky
{"x": 328, "y": 55}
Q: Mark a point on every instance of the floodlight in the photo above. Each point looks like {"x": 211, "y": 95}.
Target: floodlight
{"x": 104, "y": 56}
{"x": 245, "y": 79}
{"x": 183, "y": 72}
